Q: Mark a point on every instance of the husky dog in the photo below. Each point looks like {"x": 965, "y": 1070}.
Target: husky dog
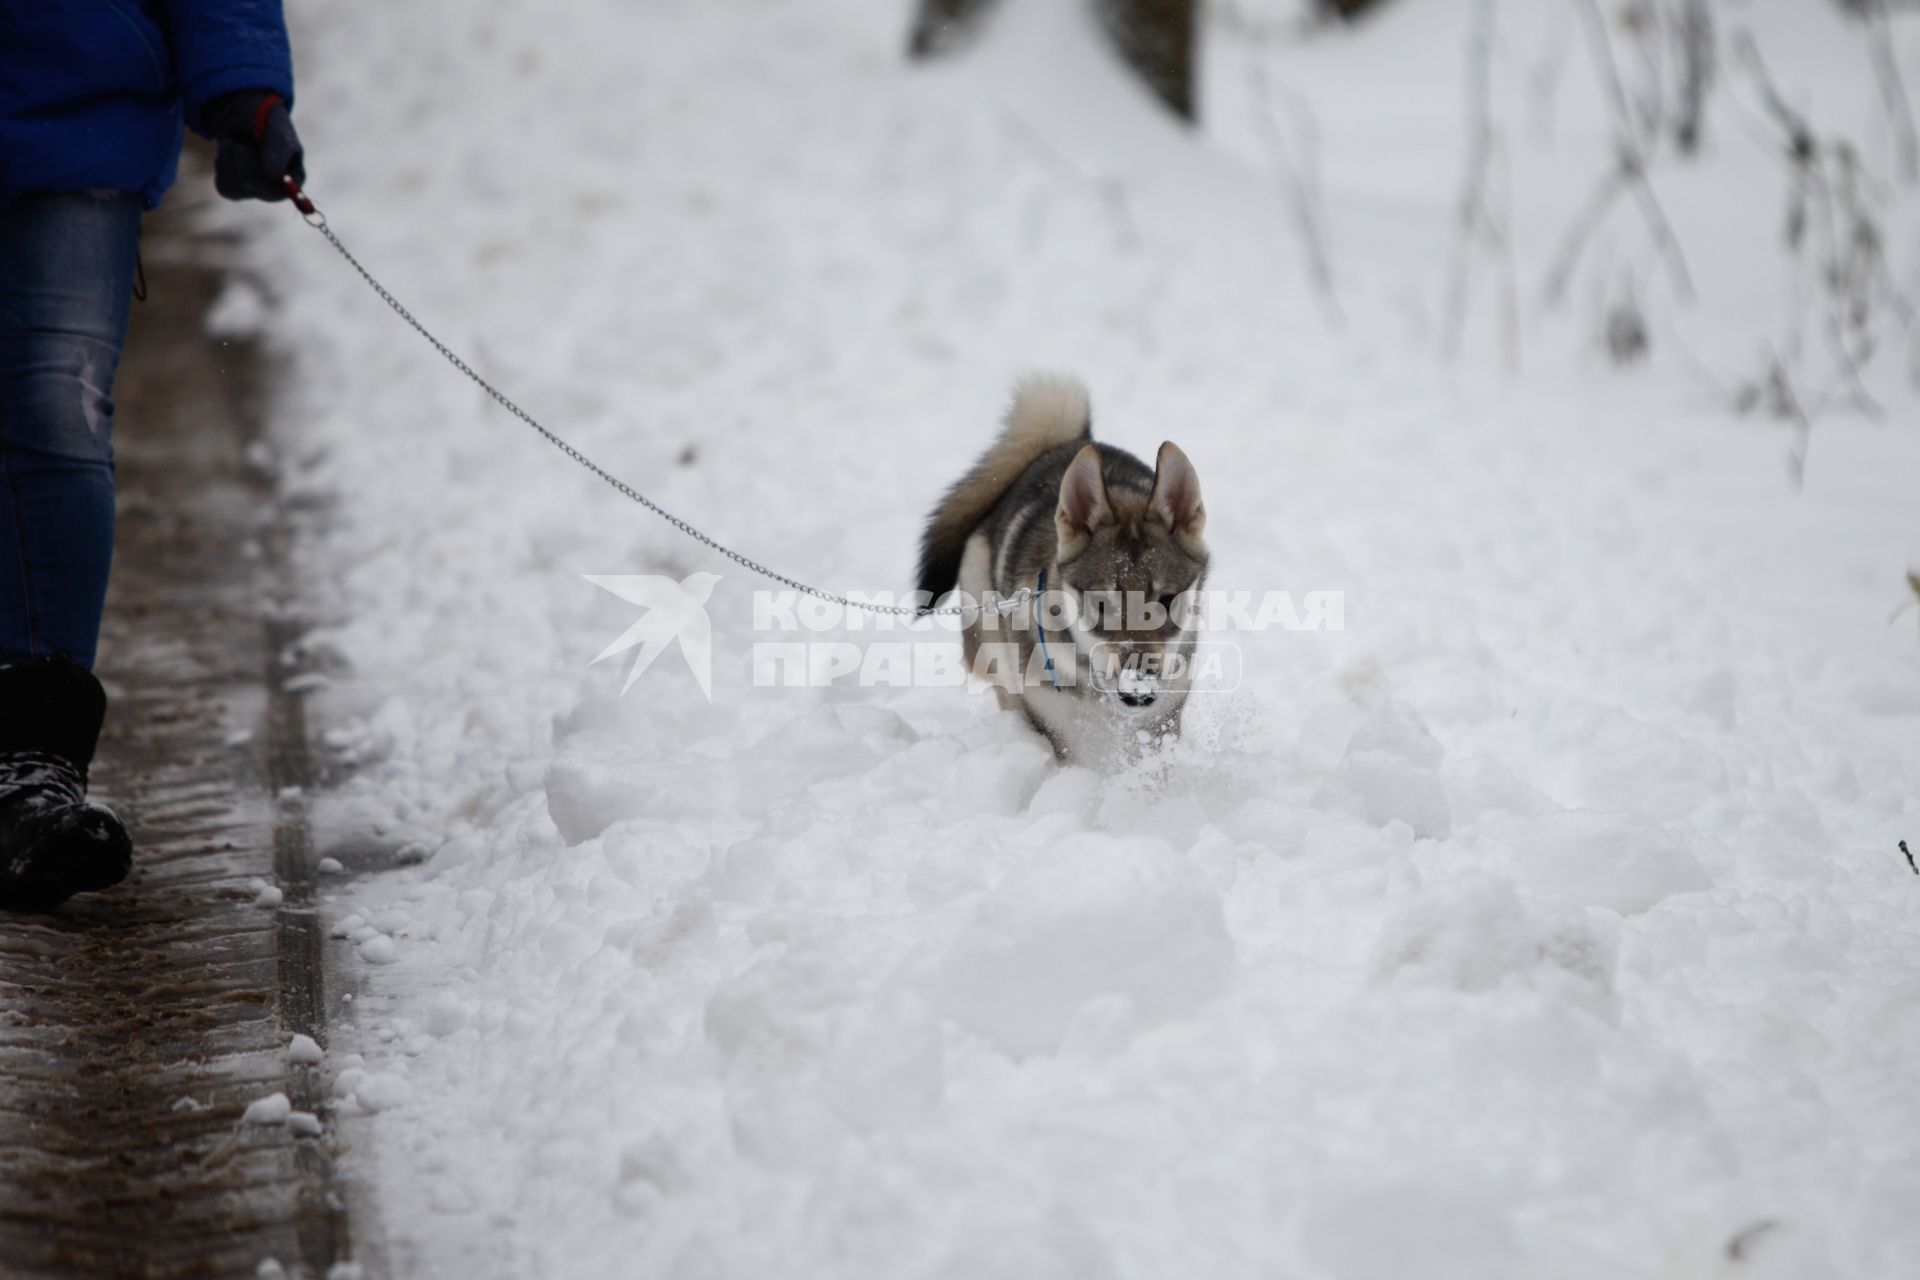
{"x": 1111, "y": 550}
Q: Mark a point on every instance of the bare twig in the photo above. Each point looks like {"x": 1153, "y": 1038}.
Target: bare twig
{"x": 1690, "y": 361}
{"x": 1800, "y": 139}
{"x": 1629, "y": 175}
{"x": 1893, "y": 90}
{"x": 1499, "y": 222}
{"x": 1910, "y": 866}
{"x": 1814, "y": 194}
{"x": 1602, "y": 45}
{"x": 1545, "y": 76}
{"x": 1642, "y": 22}
{"x": 1471, "y": 223}
{"x": 1297, "y": 170}
{"x": 1111, "y": 192}
{"x": 1786, "y": 404}
{"x": 1848, "y": 368}
{"x": 1694, "y": 33}
{"x": 1574, "y": 242}
{"x": 1662, "y": 230}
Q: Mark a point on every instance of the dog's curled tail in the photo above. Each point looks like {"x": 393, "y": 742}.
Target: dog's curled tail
{"x": 1049, "y": 410}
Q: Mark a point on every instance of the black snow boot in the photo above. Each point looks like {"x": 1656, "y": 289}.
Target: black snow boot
{"x": 53, "y": 843}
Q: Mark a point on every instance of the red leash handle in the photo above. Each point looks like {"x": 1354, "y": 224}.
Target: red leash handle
{"x": 294, "y": 193}
{"x": 299, "y": 197}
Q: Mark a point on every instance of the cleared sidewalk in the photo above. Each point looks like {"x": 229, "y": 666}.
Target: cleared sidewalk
{"x": 136, "y": 1026}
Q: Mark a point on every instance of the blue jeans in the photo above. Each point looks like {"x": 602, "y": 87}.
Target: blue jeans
{"x": 67, "y": 262}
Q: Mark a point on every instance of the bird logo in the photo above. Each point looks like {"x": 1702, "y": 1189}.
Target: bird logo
{"x": 674, "y": 611}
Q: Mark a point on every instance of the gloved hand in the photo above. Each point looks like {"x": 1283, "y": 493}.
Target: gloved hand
{"x": 257, "y": 145}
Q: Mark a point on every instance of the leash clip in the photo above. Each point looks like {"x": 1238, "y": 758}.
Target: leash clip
{"x": 307, "y": 208}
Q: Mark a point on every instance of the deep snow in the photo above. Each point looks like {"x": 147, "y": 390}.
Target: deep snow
{"x": 1547, "y": 920}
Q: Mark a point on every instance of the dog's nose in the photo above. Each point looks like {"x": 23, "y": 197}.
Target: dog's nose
{"x": 1138, "y": 699}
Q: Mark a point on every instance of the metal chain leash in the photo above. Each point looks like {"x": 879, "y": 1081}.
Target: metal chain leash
{"x": 318, "y": 221}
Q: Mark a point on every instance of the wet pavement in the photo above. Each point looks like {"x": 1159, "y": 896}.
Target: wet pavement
{"x": 137, "y": 1025}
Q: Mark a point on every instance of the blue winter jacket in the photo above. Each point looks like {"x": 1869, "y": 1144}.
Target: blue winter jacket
{"x": 94, "y": 93}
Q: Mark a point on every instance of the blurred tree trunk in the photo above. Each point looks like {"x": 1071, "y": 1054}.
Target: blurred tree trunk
{"x": 1158, "y": 38}
{"x": 1348, "y": 9}
{"x": 938, "y": 25}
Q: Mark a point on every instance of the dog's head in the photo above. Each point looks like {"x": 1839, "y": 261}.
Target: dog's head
{"x": 1133, "y": 566}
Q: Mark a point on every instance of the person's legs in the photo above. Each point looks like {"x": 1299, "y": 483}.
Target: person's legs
{"x": 67, "y": 263}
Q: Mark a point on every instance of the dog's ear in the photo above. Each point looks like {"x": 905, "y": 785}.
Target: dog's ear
{"x": 1083, "y": 503}
{"x": 1176, "y": 498}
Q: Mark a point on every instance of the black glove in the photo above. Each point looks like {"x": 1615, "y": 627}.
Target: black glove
{"x": 258, "y": 146}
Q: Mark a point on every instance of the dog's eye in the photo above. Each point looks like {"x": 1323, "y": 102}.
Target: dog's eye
{"x": 1166, "y": 601}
